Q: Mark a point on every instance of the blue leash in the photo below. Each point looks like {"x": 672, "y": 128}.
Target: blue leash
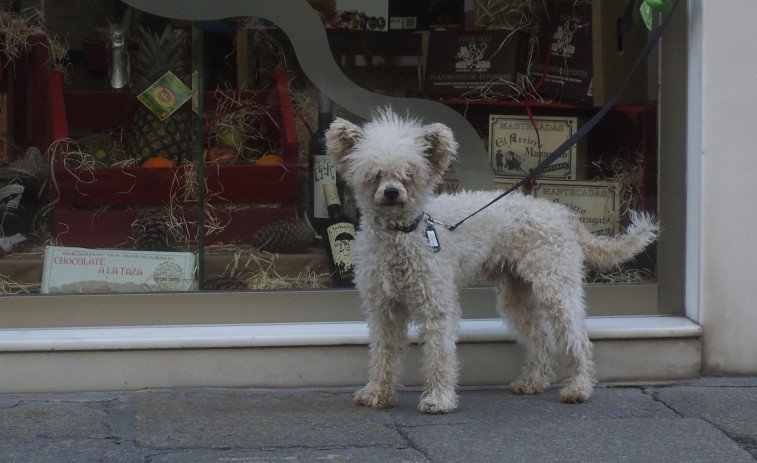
{"x": 580, "y": 133}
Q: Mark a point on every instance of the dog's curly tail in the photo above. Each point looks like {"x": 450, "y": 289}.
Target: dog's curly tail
{"x": 606, "y": 251}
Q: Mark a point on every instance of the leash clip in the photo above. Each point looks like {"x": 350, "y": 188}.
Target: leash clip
{"x": 431, "y": 221}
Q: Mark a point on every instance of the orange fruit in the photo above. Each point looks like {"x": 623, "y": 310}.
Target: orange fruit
{"x": 269, "y": 160}
{"x": 158, "y": 161}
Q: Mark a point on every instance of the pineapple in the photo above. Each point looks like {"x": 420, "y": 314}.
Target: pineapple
{"x": 171, "y": 137}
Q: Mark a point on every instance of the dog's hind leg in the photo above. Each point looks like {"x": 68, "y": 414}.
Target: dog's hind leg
{"x": 557, "y": 290}
{"x": 387, "y": 327}
{"x": 570, "y": 329}
{"x": 566, "y": 313}
{"x": 516, "y": 304}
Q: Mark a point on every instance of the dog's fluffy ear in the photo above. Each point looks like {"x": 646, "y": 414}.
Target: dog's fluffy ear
{"x": 341, "y": 138}
{"x": 442, "y": 147}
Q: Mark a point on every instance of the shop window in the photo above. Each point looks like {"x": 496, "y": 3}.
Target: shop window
{"x": 143, "y": 185}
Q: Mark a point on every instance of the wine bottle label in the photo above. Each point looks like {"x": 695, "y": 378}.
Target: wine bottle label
{"x": 324, "y": 171}
{"x": 331, "y": 194}
{"x": 341, "y": 236}
{"x": 10, "y": 196}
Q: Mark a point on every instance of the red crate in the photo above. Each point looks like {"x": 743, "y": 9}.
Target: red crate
{"x": 111, "y": 228}
{"x": 96, "y": 207}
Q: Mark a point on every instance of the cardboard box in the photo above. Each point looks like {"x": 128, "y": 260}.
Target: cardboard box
{"x": 362, "y": 15}
{"x": 472, "y": 64}
{"x": 569, "y": 66}
{"x": 515, "y": 149}
{"x": 589, "y": 61}
{"x": 383, "y": 15}
{"x": 390, "y": 64}
{"x": 425, "y": 14}
{"x": 596, "y": 204}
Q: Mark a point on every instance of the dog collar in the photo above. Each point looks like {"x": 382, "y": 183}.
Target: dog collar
{"x": 409, "y": 228}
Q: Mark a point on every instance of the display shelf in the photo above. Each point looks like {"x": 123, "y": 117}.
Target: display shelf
{"x": 95, "y": 207}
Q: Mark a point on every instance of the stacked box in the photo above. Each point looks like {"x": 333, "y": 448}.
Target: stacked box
{"x": 472, "y": 64}
{"x": 597, "y": 204}
{"x": 590, "y": 57}
{"x": 515, "y": 150}
{"x": 382, "y": 15}
{"x": 569, "y": 66}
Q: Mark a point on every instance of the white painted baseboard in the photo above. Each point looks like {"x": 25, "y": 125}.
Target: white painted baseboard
{"x": 302, "y": 334}
{"x": 331, "y": 354}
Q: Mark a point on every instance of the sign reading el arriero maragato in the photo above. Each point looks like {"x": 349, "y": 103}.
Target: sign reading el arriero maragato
{"x": 80, "y": 270}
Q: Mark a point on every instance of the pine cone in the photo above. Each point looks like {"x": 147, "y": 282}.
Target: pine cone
{"x": 291, "y": 236}
{"x": 151, "y": 230}
{"x": 223, "y": 283}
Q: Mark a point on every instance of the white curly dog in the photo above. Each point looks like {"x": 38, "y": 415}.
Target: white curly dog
{"x": 531, "y": 250}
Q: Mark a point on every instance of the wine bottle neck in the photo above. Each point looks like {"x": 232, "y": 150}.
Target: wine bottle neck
{"x": 324, "y": 121}
{"x": 335, "y": 210}
{"x": 324, "y": 111}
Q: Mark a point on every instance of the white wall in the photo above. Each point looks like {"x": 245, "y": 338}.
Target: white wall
{"x": 728, "y": 281}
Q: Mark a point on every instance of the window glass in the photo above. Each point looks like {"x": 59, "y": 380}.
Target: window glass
{"x": 181, "y": 155}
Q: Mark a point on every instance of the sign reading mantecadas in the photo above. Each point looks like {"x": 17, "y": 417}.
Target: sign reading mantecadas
{"x": 517, "y": 145}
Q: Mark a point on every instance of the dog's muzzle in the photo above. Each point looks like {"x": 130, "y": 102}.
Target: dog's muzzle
{"x": 390, "y": 194}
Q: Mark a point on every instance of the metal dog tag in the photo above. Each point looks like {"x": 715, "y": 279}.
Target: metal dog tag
{"x": 433, "y": 240}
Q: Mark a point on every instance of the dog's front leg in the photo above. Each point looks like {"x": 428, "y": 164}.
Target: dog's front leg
{"x": 440, "y": 366}
{"x": 387, "y": 326}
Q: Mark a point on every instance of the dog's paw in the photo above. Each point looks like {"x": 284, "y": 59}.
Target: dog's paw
{"x": 371, "y": 397}
{"x": 529, "y": 386}
{"x": 576, "y": 392}
{"x": 438, "y": 403}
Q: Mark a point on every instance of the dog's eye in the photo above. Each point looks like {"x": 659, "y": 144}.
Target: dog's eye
{"x": 378, "y": 176}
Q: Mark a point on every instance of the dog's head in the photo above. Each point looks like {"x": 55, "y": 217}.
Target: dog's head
{"x": 391, "y": 163}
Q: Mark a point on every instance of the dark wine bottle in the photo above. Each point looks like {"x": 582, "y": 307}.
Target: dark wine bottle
{"x": 322, "y": 167}
{"x": 18, "y": 207}
{"x": 339, "y": 239}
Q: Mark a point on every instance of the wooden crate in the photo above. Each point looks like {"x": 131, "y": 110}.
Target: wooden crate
{"x": 96, "y": 207}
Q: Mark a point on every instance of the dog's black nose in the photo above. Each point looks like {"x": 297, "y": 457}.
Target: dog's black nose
{"x": 391, "y": 193}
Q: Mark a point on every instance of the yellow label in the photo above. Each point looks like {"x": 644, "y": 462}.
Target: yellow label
{"x": 341, "y": 236}
{"x": 331, "y": 193}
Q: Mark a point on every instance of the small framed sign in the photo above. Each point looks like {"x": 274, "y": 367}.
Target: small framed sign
{"x": 517, "y": 145}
